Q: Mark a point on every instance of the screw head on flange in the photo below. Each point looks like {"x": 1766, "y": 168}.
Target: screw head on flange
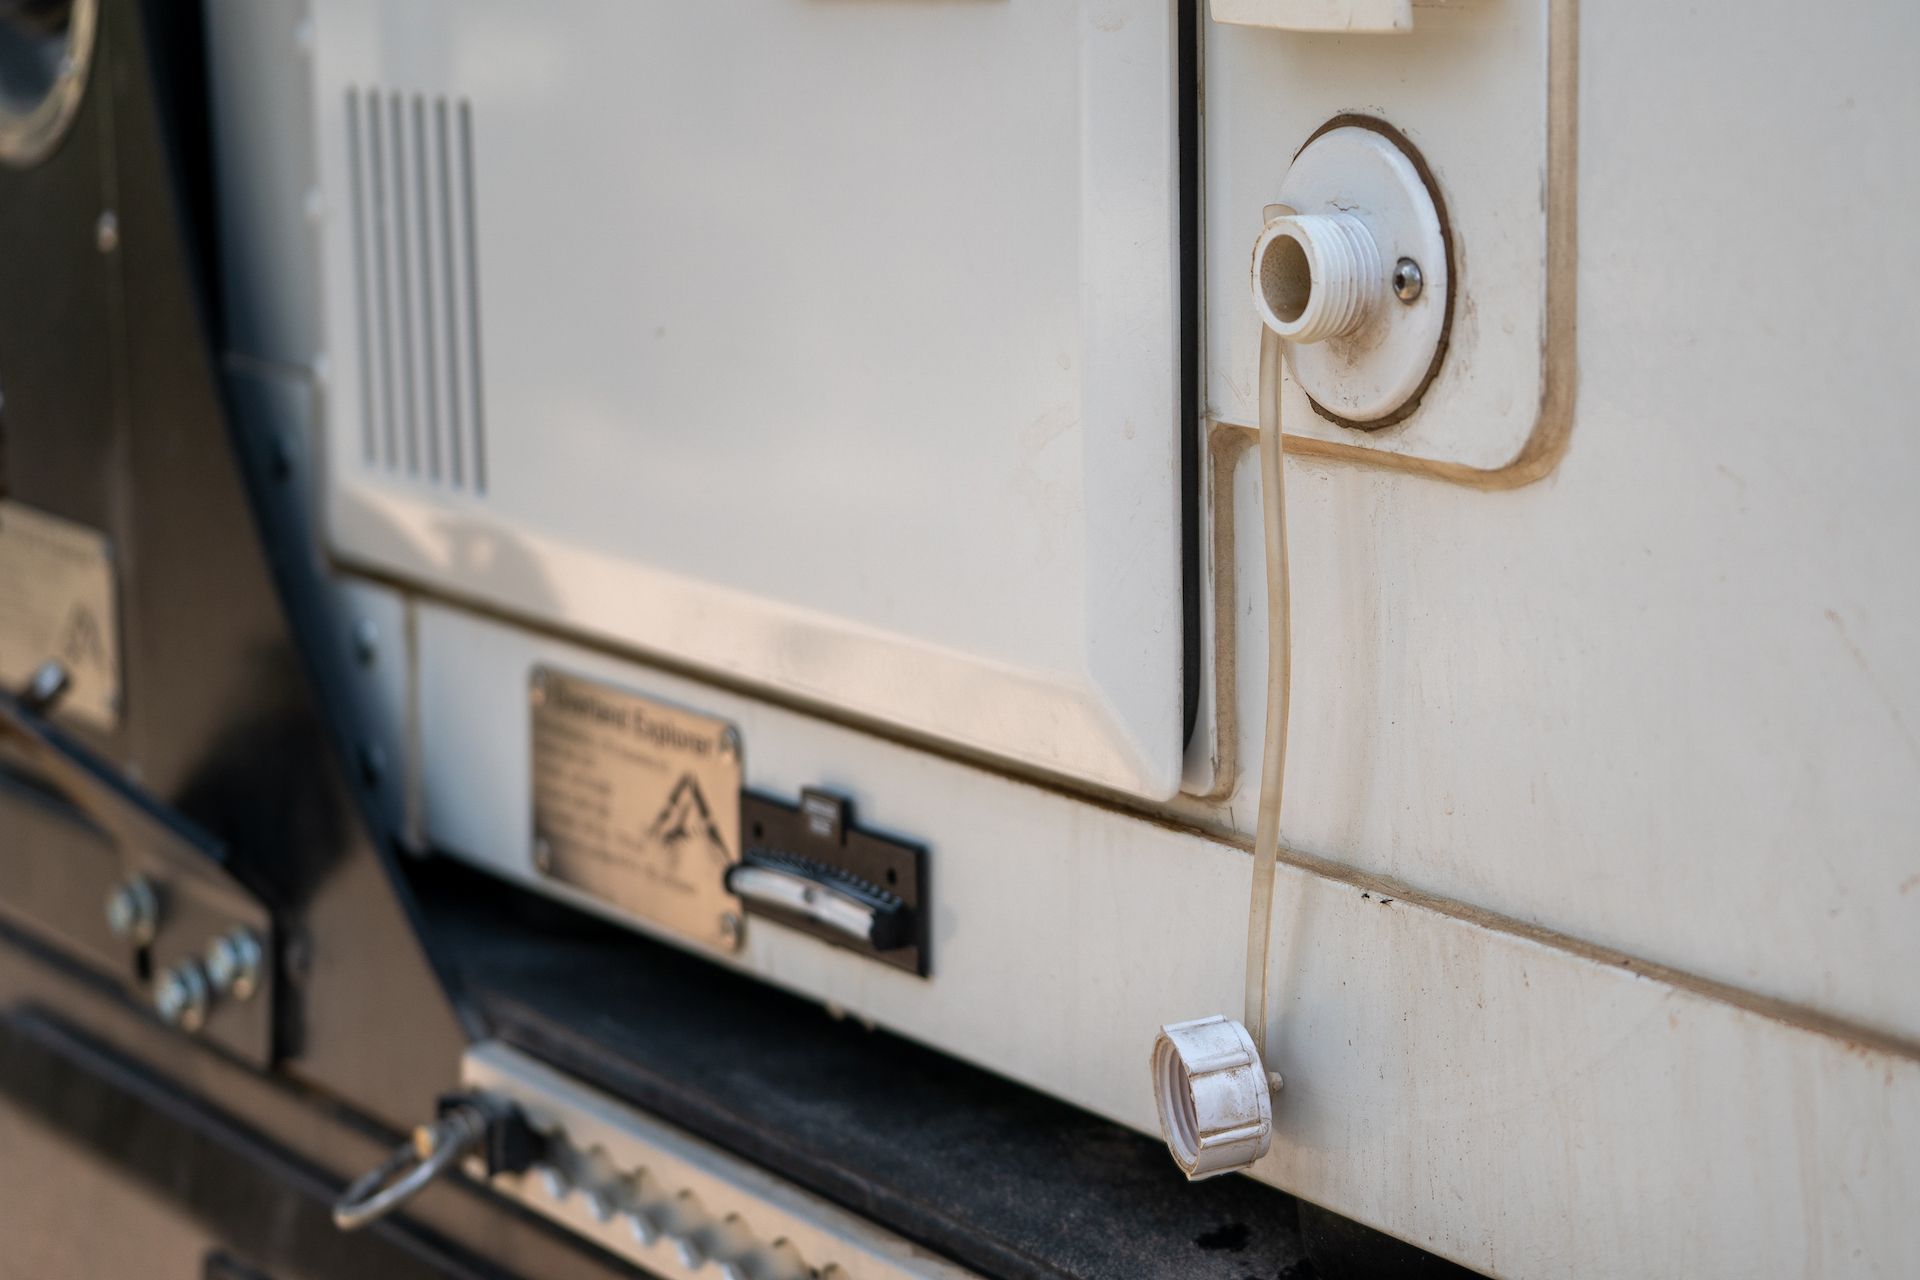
{"x": 1407, "y": 280}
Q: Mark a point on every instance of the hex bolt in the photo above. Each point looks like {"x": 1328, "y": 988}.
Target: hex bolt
{"x": 133, "y": 910}
{"x": 181, "y": 997}
{"x": 233, "y": 964}
{"x": 1407, "y": 280}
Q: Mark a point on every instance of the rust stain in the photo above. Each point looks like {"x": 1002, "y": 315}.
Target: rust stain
{"x": 1225, "y": 448}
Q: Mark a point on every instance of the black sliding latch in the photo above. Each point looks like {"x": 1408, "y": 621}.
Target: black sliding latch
{"x": 810, "y": 868}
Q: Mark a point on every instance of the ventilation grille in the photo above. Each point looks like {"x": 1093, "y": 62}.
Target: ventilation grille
{"x": 423, "y": 414}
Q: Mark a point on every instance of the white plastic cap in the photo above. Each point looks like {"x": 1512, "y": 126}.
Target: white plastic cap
{"x": 1216, "y": 1108}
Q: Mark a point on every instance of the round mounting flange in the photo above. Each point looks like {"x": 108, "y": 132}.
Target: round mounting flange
{"x": 1366, "y": 376}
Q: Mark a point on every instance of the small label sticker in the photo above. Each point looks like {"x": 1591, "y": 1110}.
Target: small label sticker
{"x": 637, "y": 803}
{"x": 57, "y": 602}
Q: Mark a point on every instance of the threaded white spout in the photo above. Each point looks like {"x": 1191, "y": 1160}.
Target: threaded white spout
{"x": 1316, "y": 276}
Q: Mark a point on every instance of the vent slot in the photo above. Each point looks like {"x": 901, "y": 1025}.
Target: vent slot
{"x": 416, "y": 287}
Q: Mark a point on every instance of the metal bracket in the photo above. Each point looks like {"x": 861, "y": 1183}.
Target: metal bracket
{"x": 671, "y": 1203}
{"x": 195, "y": 940}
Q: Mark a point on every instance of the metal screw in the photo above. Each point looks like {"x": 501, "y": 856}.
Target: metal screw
{"x": 106, "y": 232}
{"x": 233, "y": 964}
{"x": 1407, "y": 280}
{"x": 366, "y": 642}
{"x": 542, "y": 855}
{"x": 730, "y": 929}
{"x": 133, "y": 911}
{"x": 181, "y": 997}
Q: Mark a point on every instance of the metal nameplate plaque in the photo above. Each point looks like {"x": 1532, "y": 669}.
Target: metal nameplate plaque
{"x": 637, "y": 803}
{"x": 57, "y": 602}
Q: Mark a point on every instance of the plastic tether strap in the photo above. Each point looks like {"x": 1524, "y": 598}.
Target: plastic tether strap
{"x": 1273, "y": 761}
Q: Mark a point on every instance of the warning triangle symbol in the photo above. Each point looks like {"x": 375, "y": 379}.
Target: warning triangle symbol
{"x": 81, "y": 643}
{"x": 686, "y": 819}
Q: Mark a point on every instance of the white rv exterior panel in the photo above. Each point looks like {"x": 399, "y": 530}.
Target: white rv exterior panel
{"x": 1520, "y": 1102}
{"x": 1630, "y": 749}
{"x": 832, "y": 349}
{"x": 1665, "y": 699}
{"x": 1475, "y": 90}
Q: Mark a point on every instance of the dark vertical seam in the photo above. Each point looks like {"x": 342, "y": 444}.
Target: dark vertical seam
{"x": 473, "y": 304}
{"x": 456, "y": 422}
{"x": 403, "y": 272}
{"x": 357, "y": 182}
{"x": 429, "y": 349}
{"x": 383, "y": 312}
